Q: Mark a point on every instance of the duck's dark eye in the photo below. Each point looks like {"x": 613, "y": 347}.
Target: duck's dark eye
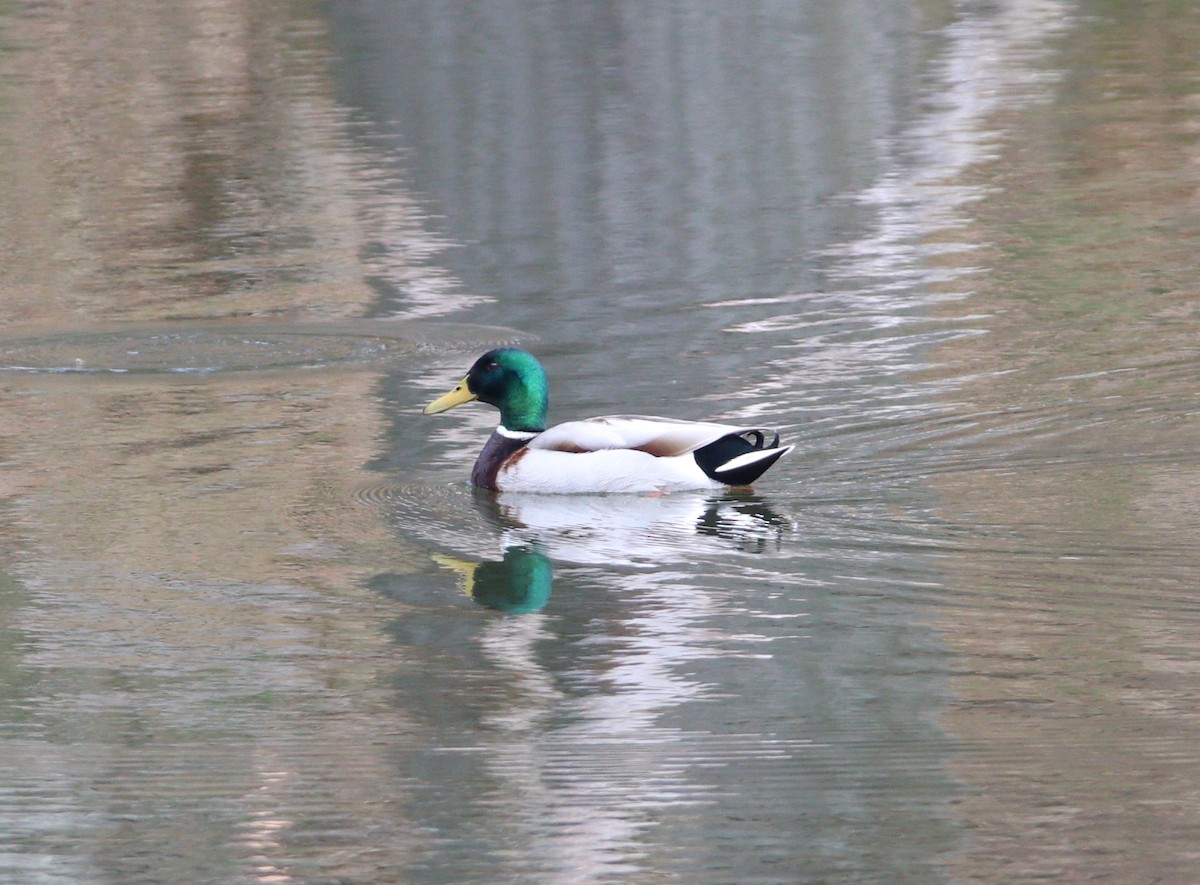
{"x": 492, "y": 366}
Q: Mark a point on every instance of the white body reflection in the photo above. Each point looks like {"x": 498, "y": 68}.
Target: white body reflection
{"x": 639, "y": 531}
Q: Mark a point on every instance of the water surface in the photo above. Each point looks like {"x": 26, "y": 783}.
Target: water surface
{"x": 256, "y": 627}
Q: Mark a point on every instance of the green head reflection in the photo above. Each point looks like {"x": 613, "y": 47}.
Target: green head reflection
{"x": 519, "y": 583}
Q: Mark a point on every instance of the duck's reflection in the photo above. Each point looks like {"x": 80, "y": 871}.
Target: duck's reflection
{"x": 562, "y": 713}
{"x": 519, "y": 583}
{"x": 626, "y": 532}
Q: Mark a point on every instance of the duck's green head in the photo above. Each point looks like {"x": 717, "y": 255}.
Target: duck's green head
{"x": 512, "y": 380}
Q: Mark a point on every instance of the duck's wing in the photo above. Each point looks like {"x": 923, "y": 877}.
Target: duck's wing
{"x": 661, "y": 437}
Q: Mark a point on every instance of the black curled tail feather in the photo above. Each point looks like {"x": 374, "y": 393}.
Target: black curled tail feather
{"x": 738, "y": 459}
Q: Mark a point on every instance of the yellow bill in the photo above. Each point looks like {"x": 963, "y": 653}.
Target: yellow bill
{"x": 456, "y": 397}
{"x": 465, "y": 569}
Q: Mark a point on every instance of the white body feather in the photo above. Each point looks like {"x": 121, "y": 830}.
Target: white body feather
{"x": 618, "y": 453}
{"x": 611, "y": 470}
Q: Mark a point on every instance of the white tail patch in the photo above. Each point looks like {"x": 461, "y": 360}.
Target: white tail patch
{"x": 751, "y": 458}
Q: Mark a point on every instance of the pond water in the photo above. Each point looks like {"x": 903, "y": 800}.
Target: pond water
{"x": 255, "y": 626}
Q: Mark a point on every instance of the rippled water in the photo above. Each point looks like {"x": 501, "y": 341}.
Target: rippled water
{"x": 254, "y": 625}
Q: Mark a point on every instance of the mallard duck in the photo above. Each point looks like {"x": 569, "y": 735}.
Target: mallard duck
{"x": 617, "y": 453}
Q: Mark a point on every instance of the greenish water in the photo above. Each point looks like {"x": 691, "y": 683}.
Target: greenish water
{"x": 254, "y": 625}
